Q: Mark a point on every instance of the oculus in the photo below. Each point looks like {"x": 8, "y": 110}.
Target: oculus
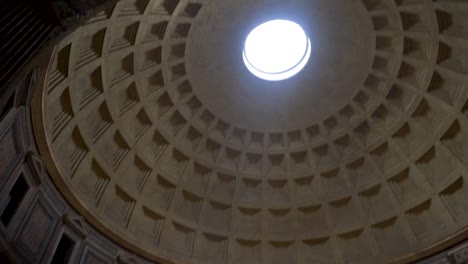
{"x": 276, "y": 50}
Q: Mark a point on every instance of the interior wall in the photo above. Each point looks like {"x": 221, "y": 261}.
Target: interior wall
{"x": 34, "y": 217}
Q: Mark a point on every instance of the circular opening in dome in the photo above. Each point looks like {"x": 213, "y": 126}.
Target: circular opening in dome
{"x": 276, "y": 50}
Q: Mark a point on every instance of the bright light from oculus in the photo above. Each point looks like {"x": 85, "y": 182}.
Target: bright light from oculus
{"x": 276, "y": 50}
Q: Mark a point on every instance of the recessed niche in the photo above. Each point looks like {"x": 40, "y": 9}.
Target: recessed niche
{"x": 64, "y": 250}
{"x": 14, "y": 199}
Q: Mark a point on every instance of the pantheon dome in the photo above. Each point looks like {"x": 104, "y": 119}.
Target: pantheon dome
{"x": 134, "y": 131}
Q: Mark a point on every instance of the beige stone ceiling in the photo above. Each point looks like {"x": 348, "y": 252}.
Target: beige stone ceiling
{"x": 224, "y": 85}
{"x": 161, "y": 138}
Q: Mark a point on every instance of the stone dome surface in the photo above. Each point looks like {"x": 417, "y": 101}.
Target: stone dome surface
{"x": 158, "y": 134}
